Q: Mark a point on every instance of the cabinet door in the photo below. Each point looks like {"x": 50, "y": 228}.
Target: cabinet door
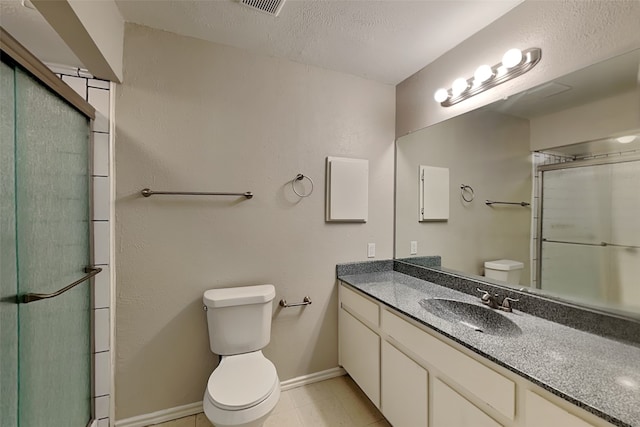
{"x": 404, "y": 389}
{"x": 450, "y": 409}
{"x": 540, "y": 412}
{"x": 360, "y": 355}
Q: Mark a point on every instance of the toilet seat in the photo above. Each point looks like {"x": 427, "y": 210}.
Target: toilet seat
{"x": 242, "y": 381}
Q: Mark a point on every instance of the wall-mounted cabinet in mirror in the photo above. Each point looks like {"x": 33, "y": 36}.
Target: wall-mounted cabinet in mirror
{"x": 565, "y": 157}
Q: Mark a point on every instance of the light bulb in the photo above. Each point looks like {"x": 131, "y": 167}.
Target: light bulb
{"x": 482, "y": 74}
{"x": 441, "y": 95}
{"x": 512, "y": 58}
{"x": 626, "y": 139}
{"x": 458, "y": 86}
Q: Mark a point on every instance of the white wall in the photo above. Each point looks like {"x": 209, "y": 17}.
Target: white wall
{"x": 488, "y": 151}
{"x": 572, "y": 35}
{"x": 197, "y": 116}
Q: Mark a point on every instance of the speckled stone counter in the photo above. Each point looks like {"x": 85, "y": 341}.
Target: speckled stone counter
{"x": 599, "y": 374}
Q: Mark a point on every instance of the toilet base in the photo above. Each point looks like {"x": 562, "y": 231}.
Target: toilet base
{"x": 249, "y": 417}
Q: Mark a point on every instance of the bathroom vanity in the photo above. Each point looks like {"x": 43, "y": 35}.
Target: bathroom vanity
{"x": 430, "y": 355}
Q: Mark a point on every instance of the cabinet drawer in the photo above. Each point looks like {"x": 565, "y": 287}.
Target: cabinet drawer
{"x": 489, "y": 386}
{"x": 539, "y": 412}
{"x": 359, "y": 305}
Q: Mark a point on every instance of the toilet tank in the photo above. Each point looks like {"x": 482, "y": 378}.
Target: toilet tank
{"x": 504, "y": 270}
{"x": 239, "y": 319}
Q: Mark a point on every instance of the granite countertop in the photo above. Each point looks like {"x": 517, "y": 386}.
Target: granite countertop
{"x": 598, "y": 374}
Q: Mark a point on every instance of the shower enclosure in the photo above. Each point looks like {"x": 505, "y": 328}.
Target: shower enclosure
{"x": 45, "y": 352}
{"x": 590, "y": 233}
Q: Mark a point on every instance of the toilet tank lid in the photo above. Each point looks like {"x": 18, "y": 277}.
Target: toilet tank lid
{"x": 504, "y": 265}
{"x": 227, "y": 297}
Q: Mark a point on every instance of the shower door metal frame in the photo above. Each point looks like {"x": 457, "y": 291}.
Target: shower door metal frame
{"x": 621, "y": 158}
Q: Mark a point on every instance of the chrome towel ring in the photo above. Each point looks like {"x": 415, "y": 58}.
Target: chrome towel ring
{"x": 467, "y": 193}
{"x": 300, "y": 177}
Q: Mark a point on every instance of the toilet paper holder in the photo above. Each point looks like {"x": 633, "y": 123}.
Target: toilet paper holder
{"x": 305, "y": 301}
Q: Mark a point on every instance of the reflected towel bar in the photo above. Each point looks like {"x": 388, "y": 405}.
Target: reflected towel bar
{"x": 148, "y": 193}
{"x": 592, "y": 244}
{"x": 492, "y": 202}
{"x": 92, "y": 271}
{"x": 305, "y": 301}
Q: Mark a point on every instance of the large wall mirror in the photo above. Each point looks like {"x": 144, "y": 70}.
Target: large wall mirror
{"x": 564, "y": 157}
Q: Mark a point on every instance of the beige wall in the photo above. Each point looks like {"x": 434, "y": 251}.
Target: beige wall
{"x": 488, "y": 151}
{"x": 598, "y": 119}
{"x": 572, "y": 34}
{"x": 193, "y": 115}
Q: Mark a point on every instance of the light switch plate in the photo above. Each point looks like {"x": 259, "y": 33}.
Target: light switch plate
{"x": 371, "y": 250}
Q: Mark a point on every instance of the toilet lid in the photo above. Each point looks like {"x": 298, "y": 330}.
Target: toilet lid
{"x": 242, "y": 381}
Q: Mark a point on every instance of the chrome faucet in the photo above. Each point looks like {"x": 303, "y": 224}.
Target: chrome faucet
{"x": 492, "y": 301}
{"x": 506, "y": 305}
{"x": 488, "y": 299}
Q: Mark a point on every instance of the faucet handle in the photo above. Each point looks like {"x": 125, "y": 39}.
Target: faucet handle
{"x": 506, "y": 305}
{"x": 486, "y": 295}
{"x": 488, "y": 299}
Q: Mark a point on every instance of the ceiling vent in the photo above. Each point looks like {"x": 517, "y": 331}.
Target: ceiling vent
{"x": 272, "y": 7}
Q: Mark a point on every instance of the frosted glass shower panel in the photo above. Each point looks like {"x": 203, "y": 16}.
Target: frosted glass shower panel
{"x": 347, "y": 197}
{"x": 53, "y": 248}
{"x": 590, "y": 246}
{"x": 8, "y": 284}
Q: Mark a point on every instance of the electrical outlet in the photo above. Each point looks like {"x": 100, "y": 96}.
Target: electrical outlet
{"x": 371, "y": 250}
{"x": 414, "y": 247}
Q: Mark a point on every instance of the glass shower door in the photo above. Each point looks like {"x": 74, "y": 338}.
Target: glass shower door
{"x": 8, "y": 281}
{"x": 52, "y": 249}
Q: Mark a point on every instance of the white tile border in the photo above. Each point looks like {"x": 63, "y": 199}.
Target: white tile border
{"x": 101, "y": 95}
{"x": 196, "y": 407}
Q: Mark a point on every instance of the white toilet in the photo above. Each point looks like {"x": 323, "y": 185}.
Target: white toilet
{"x": 244, "y": 388}
{"x": 504, "y": 270}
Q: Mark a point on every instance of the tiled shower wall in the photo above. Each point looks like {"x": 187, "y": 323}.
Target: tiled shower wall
{"x": 98, "y": 94}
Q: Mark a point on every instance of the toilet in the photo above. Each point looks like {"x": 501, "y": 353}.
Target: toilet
{"x": 504, "y": 270}
{"x": 244, "y": 389}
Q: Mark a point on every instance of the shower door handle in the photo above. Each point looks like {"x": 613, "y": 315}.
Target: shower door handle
{"x": 92, "y": 271}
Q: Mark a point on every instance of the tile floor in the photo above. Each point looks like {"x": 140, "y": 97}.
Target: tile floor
{"x": 337, "y": 402}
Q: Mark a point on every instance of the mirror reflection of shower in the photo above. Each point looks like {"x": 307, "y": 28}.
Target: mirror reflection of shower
{"x": 588, "y": 232}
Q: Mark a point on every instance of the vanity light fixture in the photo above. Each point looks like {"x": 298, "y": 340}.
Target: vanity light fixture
{"x": 626, "y": 139}
{"x": 514, "y": 63}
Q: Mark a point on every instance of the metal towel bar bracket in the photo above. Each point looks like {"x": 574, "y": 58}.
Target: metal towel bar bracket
{"x": 148, "y": 193}
{"x": 92, "y": 271}
{"x": 305, "y": 301}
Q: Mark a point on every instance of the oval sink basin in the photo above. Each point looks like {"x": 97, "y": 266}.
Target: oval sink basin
{"x": 479, "y": 318}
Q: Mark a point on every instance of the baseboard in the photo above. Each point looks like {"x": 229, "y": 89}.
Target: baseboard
{"x": 312, "y": 378}
{"x": 195, "y": 408}
{"x": 161, "y": 416}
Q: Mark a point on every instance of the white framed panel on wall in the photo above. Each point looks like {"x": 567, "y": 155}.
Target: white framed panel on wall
{"x": 347, "y": 190}
{"x": 434, "y": 193}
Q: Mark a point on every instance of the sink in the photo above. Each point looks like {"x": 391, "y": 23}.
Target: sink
{"x": 479, "y": 318}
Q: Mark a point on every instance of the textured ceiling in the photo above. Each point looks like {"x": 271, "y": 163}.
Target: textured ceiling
{"x": 386, "y": 41}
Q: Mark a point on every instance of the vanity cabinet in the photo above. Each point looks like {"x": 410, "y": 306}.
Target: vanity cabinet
{"x": 359, "y": 346}
{"x": 404, "y": 385}
{"x": 451, "y": 409}
{"x": 542, "y": 413}
{"x": 418, "y": 377}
